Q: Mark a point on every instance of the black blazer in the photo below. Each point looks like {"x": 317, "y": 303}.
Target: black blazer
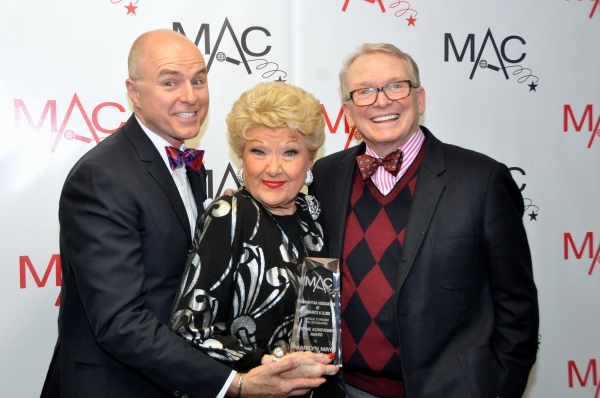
{"x": 124, "y": 241}
{"x": 467, "y": 311}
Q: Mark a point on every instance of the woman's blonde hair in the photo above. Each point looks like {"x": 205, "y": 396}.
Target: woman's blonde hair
{"x": 277, "y": 105}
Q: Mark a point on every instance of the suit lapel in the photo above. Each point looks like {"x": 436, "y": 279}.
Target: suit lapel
{"x": 156, "y": 168}
{"x": 341, "y": 186}
{"x": 198, "y": 184}
{"x": 427, "y": 194}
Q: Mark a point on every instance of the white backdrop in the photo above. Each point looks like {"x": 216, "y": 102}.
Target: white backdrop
{"x": 62, "y": 72}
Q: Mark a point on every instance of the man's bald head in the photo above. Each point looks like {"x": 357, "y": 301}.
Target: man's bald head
{"x": 168, "y": 85}
{"x": 140, "y": 46}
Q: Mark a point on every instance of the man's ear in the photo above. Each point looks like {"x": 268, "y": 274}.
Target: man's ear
{"x": 132, "y": 92}
{"x": 348, "y": 116}
{"x": 421, "y": 100}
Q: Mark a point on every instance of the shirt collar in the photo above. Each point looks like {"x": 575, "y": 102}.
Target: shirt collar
{"x": 159, "y": 142}
{"x": 416, "y": 142}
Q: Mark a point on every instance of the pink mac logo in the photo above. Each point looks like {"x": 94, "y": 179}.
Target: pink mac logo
{"x": 95, "y": 124}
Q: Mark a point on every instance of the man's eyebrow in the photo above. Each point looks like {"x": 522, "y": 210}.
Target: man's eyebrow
{"x": 166, "y": 72}
{"x": 392, "y": 80}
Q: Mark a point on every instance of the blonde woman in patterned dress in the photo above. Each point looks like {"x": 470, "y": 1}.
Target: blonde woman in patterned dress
{"x": 237, "y": 298}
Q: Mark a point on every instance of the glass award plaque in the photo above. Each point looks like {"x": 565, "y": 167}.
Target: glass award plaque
{"x": 318, "y": 322}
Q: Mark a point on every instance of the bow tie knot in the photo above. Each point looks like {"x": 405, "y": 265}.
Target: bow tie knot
{"x": 192, "y": 158}
{"x": 368, "y": 165}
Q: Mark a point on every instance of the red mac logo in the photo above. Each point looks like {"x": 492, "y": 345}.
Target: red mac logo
{"x": 130, "y": 8}
{"x": 587, "y": 115}
{"x": 333, "y": 127}
{"x": 583, "y": 381}
{"x": 404, "y": 7}
{"x": 593, "y": 7}
{"x": 69, "y": 134}
{"x": 588, "y": 241}
{"x": 26, "y": 264}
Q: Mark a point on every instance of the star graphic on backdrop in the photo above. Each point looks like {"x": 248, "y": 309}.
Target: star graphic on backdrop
{"x": 131, "y": 9}
{"x": 411, "y": 21}
{"x": 280, "y": 80}
{"x": 532, "y": 86}
{"x": 533, "y": 216}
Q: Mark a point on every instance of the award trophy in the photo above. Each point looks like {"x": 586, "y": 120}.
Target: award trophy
{"x": 318, "y": 323}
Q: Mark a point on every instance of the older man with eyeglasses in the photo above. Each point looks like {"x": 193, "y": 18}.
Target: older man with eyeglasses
{"x": 438, "y": 296}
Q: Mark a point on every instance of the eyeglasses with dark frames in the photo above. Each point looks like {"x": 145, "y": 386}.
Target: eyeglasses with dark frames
{"x": 394, "y": 91}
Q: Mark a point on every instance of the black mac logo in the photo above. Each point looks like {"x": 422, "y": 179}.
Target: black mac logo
{"x": 244, "y": 45}
{"x": 318, "y": 283}
{"x": 503, "y": 58}
{"x": 526, "y": 201}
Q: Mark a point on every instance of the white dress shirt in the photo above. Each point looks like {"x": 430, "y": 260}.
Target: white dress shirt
{"x": 383, "y": 179}
{"x": 185, "y": 191}
{"x": 179, "y": 176}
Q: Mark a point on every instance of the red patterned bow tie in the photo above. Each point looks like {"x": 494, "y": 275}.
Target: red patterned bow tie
{"x": 368, "y": 164}
{"x": 190, "y": 157}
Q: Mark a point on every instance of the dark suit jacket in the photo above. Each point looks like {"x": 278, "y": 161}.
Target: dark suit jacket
{"x": 124, "y": 241}
{"x": 467, "y": 312}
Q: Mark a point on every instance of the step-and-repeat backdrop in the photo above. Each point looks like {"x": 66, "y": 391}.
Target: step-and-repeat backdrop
{"x": 518, "y": 80}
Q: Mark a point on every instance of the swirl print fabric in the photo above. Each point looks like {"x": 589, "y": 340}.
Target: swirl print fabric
{"x": 236, "y": 300}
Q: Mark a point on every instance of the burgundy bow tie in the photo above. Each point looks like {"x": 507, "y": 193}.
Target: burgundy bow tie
{"x": 190, "y": 157}
{"x": 368, "y": 164}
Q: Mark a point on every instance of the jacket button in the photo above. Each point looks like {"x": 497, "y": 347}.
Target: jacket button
{"x": 177, "y": 394}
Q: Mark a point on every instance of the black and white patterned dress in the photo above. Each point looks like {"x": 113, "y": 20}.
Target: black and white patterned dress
{"x": 236, "y": 300}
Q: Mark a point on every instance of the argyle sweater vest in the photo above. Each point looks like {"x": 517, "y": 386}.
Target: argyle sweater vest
{"x": 373, "y": 242}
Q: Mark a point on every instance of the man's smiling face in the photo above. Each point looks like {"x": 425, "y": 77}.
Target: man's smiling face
{"x": 386, "y": 124}
{"x": 170, "y": 91}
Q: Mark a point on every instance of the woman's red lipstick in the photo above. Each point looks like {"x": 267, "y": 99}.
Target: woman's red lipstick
{"x": 273, "y": 184}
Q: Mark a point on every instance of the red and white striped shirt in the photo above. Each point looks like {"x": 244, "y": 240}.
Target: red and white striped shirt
{"x": 383, "y": 180}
